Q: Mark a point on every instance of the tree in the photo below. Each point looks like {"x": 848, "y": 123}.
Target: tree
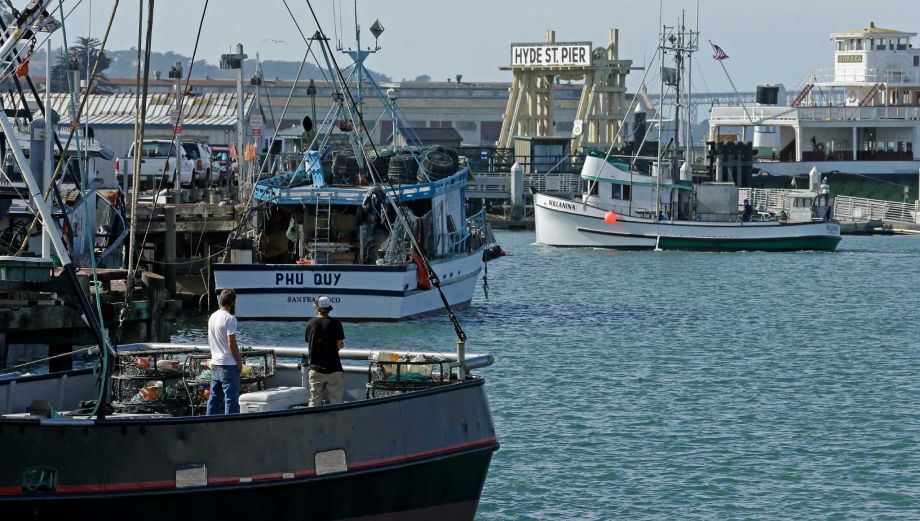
{"x": 85, "y": 52}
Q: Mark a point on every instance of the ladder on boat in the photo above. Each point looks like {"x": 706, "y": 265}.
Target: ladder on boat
{"x": 870, "y": 95}
{"x": 802, "y": 95}
{"x": 322, "y": 228}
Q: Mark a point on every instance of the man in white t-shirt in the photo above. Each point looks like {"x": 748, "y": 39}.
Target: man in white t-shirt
{"x": 226, "y": 361}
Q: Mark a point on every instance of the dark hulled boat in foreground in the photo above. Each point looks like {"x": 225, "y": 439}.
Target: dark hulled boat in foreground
{"x": 422, "y": 454}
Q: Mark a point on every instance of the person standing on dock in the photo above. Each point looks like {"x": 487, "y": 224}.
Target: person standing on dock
{"x": 326, "y": 338}
{"x": 226, "y": 360}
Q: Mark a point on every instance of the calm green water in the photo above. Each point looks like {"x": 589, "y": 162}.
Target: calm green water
{"x": 643, "y": 385}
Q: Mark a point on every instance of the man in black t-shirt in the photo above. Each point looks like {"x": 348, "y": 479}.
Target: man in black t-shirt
{"x": 326, "y": 338}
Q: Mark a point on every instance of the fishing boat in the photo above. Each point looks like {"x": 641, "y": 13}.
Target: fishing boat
{"x": 420, "y": 451}
{"x": 346, "y": 221}
{"x": 665, "y": 207}
{"x": 413, "y": 440}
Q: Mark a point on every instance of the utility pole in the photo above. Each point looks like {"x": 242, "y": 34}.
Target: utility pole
{"x": 175, "y": 72}
{"x": 235, "y": 61}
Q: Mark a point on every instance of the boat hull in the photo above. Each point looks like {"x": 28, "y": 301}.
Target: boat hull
{"x": 422, "y": 455}
{"x": 563, "y": 222}
{"x": 445, "y": 488}
{"x": 358, "y": 292}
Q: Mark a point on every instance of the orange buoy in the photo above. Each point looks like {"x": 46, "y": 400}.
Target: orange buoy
{"x": 610, "y": 218}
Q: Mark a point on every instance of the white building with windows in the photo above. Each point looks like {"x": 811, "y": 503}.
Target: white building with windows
{"x": 860, "y": 117}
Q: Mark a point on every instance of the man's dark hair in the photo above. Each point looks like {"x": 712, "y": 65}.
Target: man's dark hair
{"x": 227, "y": 298}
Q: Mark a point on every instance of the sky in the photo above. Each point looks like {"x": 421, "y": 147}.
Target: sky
{"x": 777, "y": 41}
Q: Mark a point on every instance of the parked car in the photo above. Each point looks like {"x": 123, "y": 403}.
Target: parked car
{"x": 200, "y": 153}
{"x": 158, "y": 164}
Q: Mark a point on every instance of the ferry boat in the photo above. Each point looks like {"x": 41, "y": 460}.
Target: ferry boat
{"x": 624, "y": 207}
{"x": 861, "y": 117}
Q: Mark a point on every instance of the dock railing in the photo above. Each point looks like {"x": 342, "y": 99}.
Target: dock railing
{"x": 846, "y": 209}
{"x": 857, "y": 209}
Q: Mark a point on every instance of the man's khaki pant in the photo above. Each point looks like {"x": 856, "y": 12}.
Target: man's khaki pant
{"x": 322, "y": 384}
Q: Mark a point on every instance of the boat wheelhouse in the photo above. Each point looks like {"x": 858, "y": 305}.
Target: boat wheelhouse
{"x": 860, "y": 117}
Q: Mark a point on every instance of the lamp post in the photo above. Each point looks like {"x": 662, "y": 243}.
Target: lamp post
{"x": 235, "y": 61}
{"x": 256, "y": 81}
{"x": 175, "y": 72}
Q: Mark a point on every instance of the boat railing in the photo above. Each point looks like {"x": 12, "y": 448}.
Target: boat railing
{"x": 471, "y": 360}
{"x": 275, "y": 190}
{"x": 741, "y": 116}
{"x": 873, "y": 75}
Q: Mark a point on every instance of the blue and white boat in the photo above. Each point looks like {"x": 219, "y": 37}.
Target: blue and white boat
{"x": 377, "y": 230}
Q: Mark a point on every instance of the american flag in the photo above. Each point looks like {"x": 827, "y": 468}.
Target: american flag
{"x": 718, "y": 54}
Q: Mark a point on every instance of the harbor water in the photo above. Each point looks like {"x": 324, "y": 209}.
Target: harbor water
{"x": 665, "y": 385}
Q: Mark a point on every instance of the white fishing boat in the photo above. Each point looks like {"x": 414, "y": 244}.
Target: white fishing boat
{"x": 383, "y": 232}
{"x": 665, "y": 208}
{"x": 368, "y": 270}
{"x": 621, "y": 212}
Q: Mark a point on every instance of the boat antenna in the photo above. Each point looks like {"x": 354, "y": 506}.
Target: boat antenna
{"x": 395, "y": 200}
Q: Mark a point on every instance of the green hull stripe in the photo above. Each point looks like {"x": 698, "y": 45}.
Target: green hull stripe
{"x": 817, "y": 243}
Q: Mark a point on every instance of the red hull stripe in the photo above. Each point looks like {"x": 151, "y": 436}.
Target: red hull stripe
{"x": 258, "y": 478}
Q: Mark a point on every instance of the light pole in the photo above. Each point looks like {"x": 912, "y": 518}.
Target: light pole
{"x": 235, "y": 61}
{"x": 175, "y": 72}
{"x": 256, "y": 81}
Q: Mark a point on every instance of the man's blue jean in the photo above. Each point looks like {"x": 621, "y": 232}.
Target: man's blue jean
{"x": 225, "y": 387}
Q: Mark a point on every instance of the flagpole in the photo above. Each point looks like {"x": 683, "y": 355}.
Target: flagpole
{"x": 727, "y": 75}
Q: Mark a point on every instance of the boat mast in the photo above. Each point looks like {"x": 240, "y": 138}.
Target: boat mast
{"x": 661, "y": 49}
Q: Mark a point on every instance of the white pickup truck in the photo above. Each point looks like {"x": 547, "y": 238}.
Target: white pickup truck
{"x": 158, "y": 164}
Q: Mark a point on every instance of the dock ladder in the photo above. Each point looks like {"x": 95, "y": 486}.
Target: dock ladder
{"x": 322, "y": 228}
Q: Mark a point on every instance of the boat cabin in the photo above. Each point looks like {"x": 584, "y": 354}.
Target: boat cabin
{"x": 331, "y": 217}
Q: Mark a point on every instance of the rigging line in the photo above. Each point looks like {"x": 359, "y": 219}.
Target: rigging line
{"x": 104, "y": 349}
{"x": 188, "y": 80}
{"x": 432, "y": 275}
{"x": 64, "y": 157}
{"x": 628, "y": 111}
{"x": 139, "y": 144}
{"x": 137, "y": 125}
{"x": 307, "y": 41}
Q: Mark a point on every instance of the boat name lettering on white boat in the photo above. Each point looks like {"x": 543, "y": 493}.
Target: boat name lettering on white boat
{"x": 296, "y": 279}
{"x": 309, "y": 300}
{"x": 561, "y": 204}
{"x": 550, "y": 55}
